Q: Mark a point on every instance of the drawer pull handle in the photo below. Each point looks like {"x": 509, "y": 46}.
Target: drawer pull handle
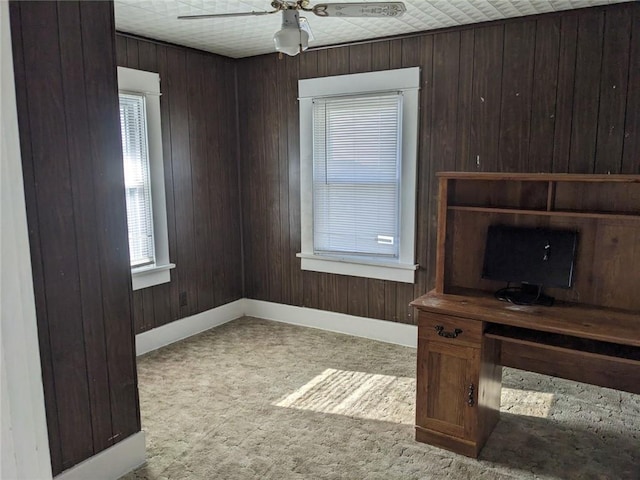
{"x": 443, "y": 333}
{"x": 472, "y": 390}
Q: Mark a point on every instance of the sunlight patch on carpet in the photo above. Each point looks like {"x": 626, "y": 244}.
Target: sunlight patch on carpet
{"x": 370, "y": 396}
{"x": 526, "y": 402}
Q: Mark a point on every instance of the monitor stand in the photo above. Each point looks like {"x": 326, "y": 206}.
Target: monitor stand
{"x": 525, "y": 295}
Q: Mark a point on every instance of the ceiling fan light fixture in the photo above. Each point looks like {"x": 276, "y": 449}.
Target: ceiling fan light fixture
{"x": 291, "y": 39}
{"x": 295, "y": 33}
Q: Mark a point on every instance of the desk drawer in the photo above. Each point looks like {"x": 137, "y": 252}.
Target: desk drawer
{"x": 445, "y": 328}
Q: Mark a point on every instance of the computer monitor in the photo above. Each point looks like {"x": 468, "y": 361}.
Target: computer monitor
{"x": 539, "y": 257}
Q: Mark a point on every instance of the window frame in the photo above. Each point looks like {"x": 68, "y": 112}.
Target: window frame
{"x": 147, "y": 84}
{"x": 406, "y": 80}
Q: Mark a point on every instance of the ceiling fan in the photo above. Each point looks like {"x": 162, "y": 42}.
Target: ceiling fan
{"x": 295, "y": 33}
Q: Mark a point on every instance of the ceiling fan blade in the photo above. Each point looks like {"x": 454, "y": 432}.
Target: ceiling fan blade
{"x": 360, "y": 9}
{"x": 219, "y": 15}
{"x": 304, "y": 25}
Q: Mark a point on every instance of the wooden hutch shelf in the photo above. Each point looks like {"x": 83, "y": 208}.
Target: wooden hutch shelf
{"x": 465, "y": 335}
{"x": 547, "y": 213}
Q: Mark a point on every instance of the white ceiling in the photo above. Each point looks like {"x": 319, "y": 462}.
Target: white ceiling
{"x": 247, "y": 36}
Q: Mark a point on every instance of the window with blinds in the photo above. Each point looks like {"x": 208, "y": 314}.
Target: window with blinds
{"x": 133, "y": 125}
{"x": 358, "y": 151}
{"x": 356, "y": 174}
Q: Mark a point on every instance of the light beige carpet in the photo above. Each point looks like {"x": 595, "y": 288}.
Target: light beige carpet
{"x": 255, "y": 399}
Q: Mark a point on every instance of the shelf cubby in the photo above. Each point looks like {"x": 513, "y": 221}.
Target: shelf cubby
{"x": 603, "y": 209}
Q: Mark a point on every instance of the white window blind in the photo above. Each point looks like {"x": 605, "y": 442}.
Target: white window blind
{"x": 135, "y": 150}
{"x": 356, "y": 174}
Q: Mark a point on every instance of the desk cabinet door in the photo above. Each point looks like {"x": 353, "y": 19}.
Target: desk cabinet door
{"x": 447, "y": 388}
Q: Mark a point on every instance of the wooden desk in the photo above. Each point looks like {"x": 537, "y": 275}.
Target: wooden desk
{"x": 466, "y": 336}
{"x": 464, "y": 339}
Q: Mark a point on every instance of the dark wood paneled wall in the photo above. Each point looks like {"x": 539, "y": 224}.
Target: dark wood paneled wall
{"x": 553, "y": 93}
{"x": 66, "y": 86}
{"x": 199, "y": 133}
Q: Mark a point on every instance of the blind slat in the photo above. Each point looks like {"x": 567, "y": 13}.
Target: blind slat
{"x": 356, "y": 174}
{"x": 133, "y": 126}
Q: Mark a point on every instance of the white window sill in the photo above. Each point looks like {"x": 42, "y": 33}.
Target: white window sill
{"x": 356, "y": 267}
{"x": 151, "y": 275}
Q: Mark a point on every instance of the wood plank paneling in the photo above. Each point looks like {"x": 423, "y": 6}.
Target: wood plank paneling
{"x": 162, "y": 304}
{"x": 327, "y": 292}
{"x": 517, "y": 79}
{"x": 206, "y": 138}
{"x": 228, "y": 162}
{"x": 613, "y": 91}
{"x": 376, "y": 298}
{"x": 185, "y": 255}
{"x": 165, "y": 125}
{"x": 543, "y": 97}
{"x": 199, "y": 142}
{"x": 358, "y": 298}
{"x": 419, "y": 51}
{"x": 215, "y": 277}
{"x": 443, "y": 114}
{"x": 147, "y": 56}
{"x": 360, "y": 58}
{"x": 58, "y": 243}
{"x": 271, "y": 126}
{"x": 564, "y": 96}
{"x": 37, "y": 265}
{"x": 121, "y": 50}
{"x": 631, "y": 152}
{"x": 337, "y": 62}
{"x": 199, "y": 132}
{"x": 283, "y": 188}
{"x": 380, "y": 55}
{"x": 250, "y": 127}
{"x": 108, "y": 180}
{"x": 132, "y": 53}
{"x": 464, "y": 159}
{"x": 586, "y": 92}
{"x": 486, "y": 97}
{"x": 137, "y": 307}
{"x": 78, "y": 139}
{"x": 70, "y": 136}
{"x": 309, "y": 69}
{"x": 148, "y": 309}
{"x": 292, "y": 72}
{"x": 505, "y": 96}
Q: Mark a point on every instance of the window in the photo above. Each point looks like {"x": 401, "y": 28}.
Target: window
{"x": 133, "y": 125}
{"x": 144, "y": 177}
{"x": 358, "y": 142}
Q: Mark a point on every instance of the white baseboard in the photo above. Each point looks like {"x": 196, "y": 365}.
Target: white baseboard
{"x": 186, "y": 327}
{"x": 382, "y": 330}
{"x": 111, "y": 463}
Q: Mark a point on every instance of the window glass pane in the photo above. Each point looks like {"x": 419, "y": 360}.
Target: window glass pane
{"x": 356, "y": 174}
{"x": 136, "y": 177}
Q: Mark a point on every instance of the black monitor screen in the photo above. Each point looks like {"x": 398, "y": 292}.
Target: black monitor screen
{"x": 536, "y": 256}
